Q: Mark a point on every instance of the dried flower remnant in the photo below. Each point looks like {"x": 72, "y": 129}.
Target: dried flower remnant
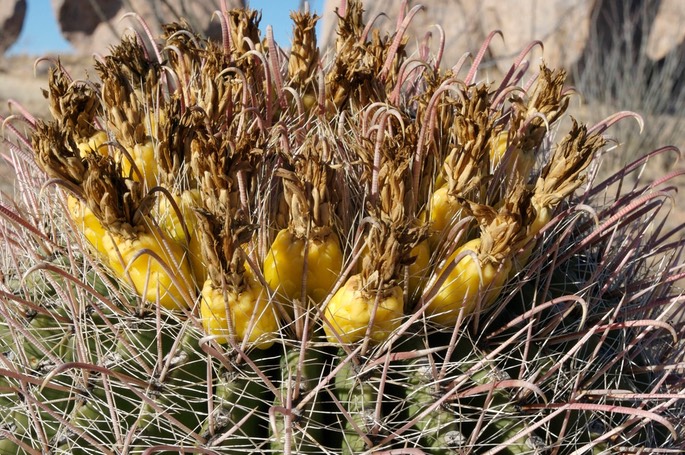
{"x": 305, "y": 259}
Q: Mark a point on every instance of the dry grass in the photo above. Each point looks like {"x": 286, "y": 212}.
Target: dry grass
{"x": 616, "y": 73}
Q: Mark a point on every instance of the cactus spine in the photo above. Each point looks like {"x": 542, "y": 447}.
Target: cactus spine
{"x": 221, "y": 251}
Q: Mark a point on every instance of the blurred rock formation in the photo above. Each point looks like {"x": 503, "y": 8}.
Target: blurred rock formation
{"x": 12, "y": 14}
{"x": 668, "y": 29}
{"x": 92, "y": 25}
{"x": 567, "y": 27}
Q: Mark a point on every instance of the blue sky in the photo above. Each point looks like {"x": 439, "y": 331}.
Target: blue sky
{"x": 41, "y": 35}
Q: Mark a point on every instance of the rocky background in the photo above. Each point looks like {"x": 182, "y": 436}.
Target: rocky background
{"x": 12, "y": 14}
{"x": 621, "y": 55}
{"x": 565, "y": 26}
{"x": 92, "y": 25}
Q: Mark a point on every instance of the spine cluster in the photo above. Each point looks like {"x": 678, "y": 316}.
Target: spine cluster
{"x": 357, "y": 252}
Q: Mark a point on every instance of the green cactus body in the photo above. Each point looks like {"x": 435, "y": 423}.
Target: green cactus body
{"x": 43, "y": 284}
{"x": 440, "y": 427}
{"x": 90, "y": 423}
{"x": 56, "y": 400}
{"x": 141, "y": 346}
{"x": 48, "y": 340}
{"x": 238, "y": 398}
{"x": 8, "y": 394}
{"x": 15, "y": 434}
{"x": 502, "y": 420}
{"x": 306, "y": 422}
{"x": 359, "y": 396}
{"x": 179, "y": 396}
{"x": 9, "y": 446}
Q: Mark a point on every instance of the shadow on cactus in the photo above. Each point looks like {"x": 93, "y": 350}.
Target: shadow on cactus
{"x": 217, "y": 247}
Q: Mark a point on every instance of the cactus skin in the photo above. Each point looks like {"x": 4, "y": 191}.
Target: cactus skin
{"x": 440, "y": 428}
{"x": 297, "y": 381}
{"x": 501, "y": 429}
{"x": 358, "y": 395}
{"x": 238, "y": 397}
{"x": 15, "y": 437}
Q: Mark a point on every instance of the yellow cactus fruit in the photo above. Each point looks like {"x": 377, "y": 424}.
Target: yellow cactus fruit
{"x": 251, "y": 314}
{"x": 444, "y": 212}
{"x": 324, "y": 265}
{"x": 518, "y": 164}
{"x": 143, "y": 156}
{"x": 88, "y": 223}
{"x": 418, "y": 269}
{"x": 285, "y": 261}
{"x": 349, "y": 312}
{"x": 96, "y": 143}
{"x": 462, "y": 288}
{"x": 151, "y": 279}
{"x": 168, "y": 219}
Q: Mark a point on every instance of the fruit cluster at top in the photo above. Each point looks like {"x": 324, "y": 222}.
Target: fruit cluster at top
{"x": 360, "y": 188}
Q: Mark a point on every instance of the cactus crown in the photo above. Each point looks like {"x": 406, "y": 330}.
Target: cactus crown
{"x": 356, "y": 253}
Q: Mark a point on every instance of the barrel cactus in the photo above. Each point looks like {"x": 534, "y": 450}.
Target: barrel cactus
{"x": 218, "y": 247}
